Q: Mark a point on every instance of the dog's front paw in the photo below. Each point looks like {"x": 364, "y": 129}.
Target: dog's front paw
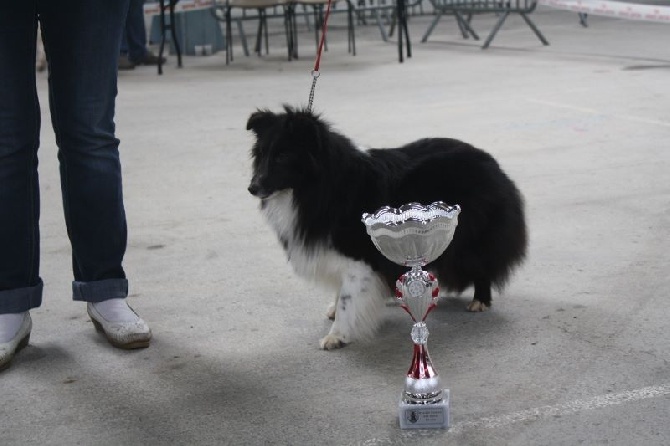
{"x": 331, "y": 342}
{"x": 476, "y": 306}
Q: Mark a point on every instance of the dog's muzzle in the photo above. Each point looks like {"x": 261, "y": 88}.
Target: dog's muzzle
{"x": 254, "y": 189}
{"x": 257, "y": 190}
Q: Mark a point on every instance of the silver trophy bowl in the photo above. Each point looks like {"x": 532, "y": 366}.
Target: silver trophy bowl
{"x": 415, "y": 235}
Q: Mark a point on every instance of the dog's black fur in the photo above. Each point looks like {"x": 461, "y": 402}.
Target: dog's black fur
{"x": 333, "y": 183}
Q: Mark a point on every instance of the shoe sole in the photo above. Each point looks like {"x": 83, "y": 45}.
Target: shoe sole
{"x": 128, "y": 346}
{"x": 22, "y": 343}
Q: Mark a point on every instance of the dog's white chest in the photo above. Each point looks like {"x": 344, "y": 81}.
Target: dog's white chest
{"x": 318, "y": 261}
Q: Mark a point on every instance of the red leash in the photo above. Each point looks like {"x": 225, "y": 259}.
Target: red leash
{"x": 317, "y": 64}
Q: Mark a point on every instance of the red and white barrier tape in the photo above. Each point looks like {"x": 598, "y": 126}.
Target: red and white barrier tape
{"x": 619, "y": 10}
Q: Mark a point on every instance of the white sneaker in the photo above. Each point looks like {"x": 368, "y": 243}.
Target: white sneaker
{"x": 127, "y": 331}
{"x": 8, "y": 349}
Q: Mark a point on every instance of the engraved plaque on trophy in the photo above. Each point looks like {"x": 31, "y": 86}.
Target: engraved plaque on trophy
{"x": 414, "y": 235}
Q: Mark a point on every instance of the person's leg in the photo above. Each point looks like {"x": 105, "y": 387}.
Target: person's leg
{"x": 20, "y": 284}
{"x": 135, "y": 32}
{"x": 135, "y": 38}
{"x": 124, "y": 59}
{"x": 82, "y": 42}
{"x": 83, "y": 39}
{"x": 124, "y": 43}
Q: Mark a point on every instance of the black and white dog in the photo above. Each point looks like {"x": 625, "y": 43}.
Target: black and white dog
{"x": 314, "y": 186}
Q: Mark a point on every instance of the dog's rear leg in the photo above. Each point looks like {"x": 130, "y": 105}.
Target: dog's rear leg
{"x": 358, "y": 307}
{"x": 482, "y": 299}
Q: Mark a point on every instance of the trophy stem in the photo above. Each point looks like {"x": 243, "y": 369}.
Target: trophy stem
{"x": 423, "y": 403}
{"x": 422, "y": 366}
{"x": 416, "y": 269}
{"x": 422, "y": 384}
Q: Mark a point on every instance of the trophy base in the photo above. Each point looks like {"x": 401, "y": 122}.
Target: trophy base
{"x": 425, "y": 416}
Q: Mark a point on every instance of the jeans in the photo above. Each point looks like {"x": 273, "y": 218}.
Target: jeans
{"x": 82, "y": 40}
{"x": 134, "y": 37}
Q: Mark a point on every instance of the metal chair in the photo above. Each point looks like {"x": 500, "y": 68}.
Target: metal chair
{"x": 502, "y": 8}
{"x": 317, "y": 7}
{"x": 261, "y": 10}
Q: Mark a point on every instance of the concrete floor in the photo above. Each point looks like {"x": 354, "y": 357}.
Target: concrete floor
{"x": 574, "y": 352}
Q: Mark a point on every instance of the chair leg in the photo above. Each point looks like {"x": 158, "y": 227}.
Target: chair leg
{"x": 288, "y": 29}
{"x": 495, "y": 30}
{"x": 403, "y": 27}
{"x": 432, "y": 26}
{"x": 378, "y": 19}
{"x": 162, "y": 45}
{"x": 403, "y": 32}
{"x": 258, "y": 48}
{"x": 294, "y": 33}
{"x": 360, "y": 15}
{"x": 583, "y": 19}
{"x": 322, "y": 20}
{"x": 229, "y": 37}
{"x": 306, "y": 14}
{"x": 537, "y": 32}
{"x": 243, "y": 37}
{"x": 464, "y": 24}
{"x": 393, "y": 21}
{"x": 464, "y": 31}
{"x": 267, "y": 38}
{"x": 351, "y": 31}
{"x": 173, "y": 32}
{"x": 318, "y": 23}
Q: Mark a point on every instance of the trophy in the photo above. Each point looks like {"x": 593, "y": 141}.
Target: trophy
{"x": 414, "y": 235}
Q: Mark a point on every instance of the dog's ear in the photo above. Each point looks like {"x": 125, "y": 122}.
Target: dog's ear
{"x": 260, "y": 120}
